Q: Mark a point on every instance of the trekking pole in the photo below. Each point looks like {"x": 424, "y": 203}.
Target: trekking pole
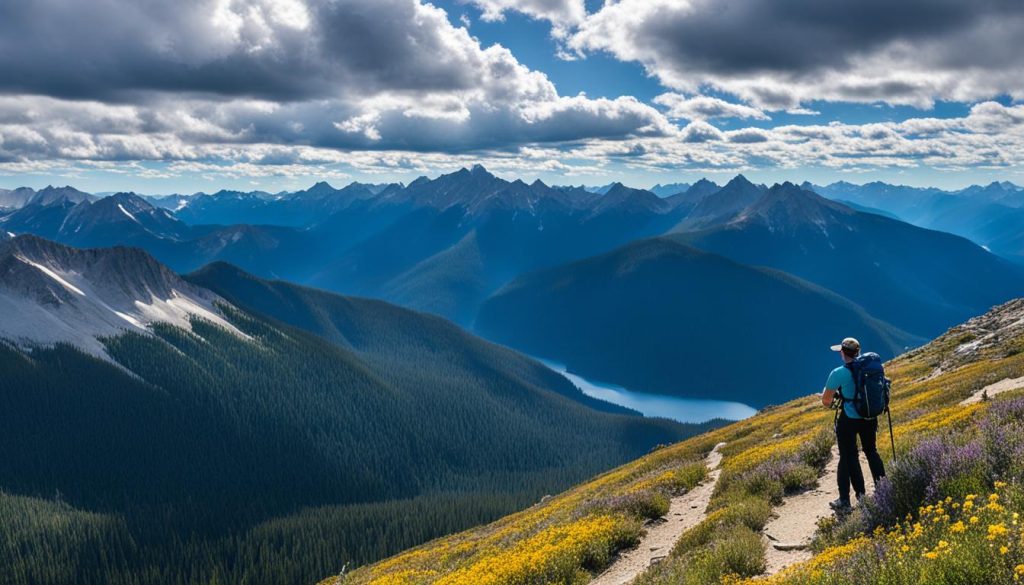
{"x": 892, "y": 439}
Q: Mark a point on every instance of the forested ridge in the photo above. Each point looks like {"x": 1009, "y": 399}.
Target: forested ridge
{"x": 205, "y": 457}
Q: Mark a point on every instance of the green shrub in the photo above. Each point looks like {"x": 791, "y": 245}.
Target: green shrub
{"x": 833, "y": 531}
{"x": 645, "y": 504}
{"x": 817, "y": 452}
{"x": 737, "y": 550}
{"x": 799, "y": 478}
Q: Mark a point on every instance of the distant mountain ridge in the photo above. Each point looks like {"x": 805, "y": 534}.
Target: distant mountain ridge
{"x": 669, "y": 189}
{"x": 720, "y": 205}
{"x": 991, "y": 215}
{"x": 445, "y": 244}
{"x": 660, "y": 316}
{"x": 920, "y": 280}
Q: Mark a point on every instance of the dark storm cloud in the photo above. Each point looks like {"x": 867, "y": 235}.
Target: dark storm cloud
{"x": 862, "y": 51}
{"x": 750, "y": 36}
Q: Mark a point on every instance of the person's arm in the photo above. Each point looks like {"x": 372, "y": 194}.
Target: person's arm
{"x": 828, "y": 396}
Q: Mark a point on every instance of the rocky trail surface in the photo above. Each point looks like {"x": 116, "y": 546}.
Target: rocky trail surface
{"x": 788, "y": 535}
{"x": 685, "y": 512}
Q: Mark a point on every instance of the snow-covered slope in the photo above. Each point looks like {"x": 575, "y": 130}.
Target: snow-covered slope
{"x": 51, "y": 293}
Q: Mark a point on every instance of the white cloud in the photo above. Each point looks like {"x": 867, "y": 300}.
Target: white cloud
{"x": 705, "y": 108}
{"x": 562, "y": 14}
{"x": 331, "y": 73}
{"x": 269, "y": 87}
{"x": 699, "y": 131}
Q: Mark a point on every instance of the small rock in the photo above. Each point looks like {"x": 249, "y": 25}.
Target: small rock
{"x": 656, "y": 560}
{"x": 784, "y": 546}
{"x": 654, "y": 548}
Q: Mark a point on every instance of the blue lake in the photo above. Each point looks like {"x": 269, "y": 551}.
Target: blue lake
{"x": 681, "y": 409}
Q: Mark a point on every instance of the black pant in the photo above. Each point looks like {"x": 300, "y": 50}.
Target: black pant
{"x": 847, "y": 431}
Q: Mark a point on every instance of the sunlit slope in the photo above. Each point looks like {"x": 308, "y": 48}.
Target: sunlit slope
{"x": 570, "y": 537}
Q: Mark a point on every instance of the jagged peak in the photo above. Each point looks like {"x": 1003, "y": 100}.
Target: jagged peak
{"x": 739, "y": 180}
{"x": 127, "y": 196}
{"x": 50, "y": 195}
{"x": 788, "y": 202}
{"x": 320, "y": 186}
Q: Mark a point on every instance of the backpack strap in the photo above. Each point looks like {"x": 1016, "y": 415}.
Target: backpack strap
{"x": 856, "y": 375}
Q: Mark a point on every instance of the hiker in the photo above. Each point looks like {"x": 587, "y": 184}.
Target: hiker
{"x": 850, "y": 423}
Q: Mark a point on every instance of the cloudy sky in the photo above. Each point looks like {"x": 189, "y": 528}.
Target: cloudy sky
{"x": 165, "y": 96}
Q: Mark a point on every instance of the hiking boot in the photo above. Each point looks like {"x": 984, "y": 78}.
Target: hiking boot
{"x": 840, "y": 505}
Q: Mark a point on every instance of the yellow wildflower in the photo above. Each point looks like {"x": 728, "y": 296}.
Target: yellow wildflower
{"x": 996, "y": 530}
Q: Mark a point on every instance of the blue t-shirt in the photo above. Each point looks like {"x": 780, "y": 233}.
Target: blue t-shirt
{"x": 841, "y": 379}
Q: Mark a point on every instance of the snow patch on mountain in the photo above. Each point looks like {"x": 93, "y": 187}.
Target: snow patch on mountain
{"x": 54, "y": 294}
{"x": 52, "y": 275}
{"x": 125, "y": 211}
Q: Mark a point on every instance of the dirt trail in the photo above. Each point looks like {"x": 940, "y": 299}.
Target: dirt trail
{"x": 788, "y": 535}
{"x": 1004, "y": 385}
{"x": 685, "y": 512}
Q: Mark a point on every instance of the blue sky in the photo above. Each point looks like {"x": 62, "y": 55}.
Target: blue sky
{"x": 277, "y": 94}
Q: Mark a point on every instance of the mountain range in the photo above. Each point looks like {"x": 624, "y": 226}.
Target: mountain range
{"x": 453, "y": 244}
{"x": 990, "y": 215}
{"x": 913, "y": 278}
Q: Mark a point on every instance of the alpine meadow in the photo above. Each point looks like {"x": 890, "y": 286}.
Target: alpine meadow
{"x": 511, "y": 292}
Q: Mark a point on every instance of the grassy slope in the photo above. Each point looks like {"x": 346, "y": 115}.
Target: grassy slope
{"x": 569, "y": 537}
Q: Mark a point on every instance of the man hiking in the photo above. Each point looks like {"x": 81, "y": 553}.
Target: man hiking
{"x": 851, "y": 421}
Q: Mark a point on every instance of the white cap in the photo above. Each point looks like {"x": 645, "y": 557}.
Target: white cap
{"x": 849, "y": 344}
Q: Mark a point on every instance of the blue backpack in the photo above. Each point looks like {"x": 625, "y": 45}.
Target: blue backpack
{"x": 871, "y": 387}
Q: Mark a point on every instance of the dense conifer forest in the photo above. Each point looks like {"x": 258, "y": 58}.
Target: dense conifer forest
{"x": 205, "y": 457}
